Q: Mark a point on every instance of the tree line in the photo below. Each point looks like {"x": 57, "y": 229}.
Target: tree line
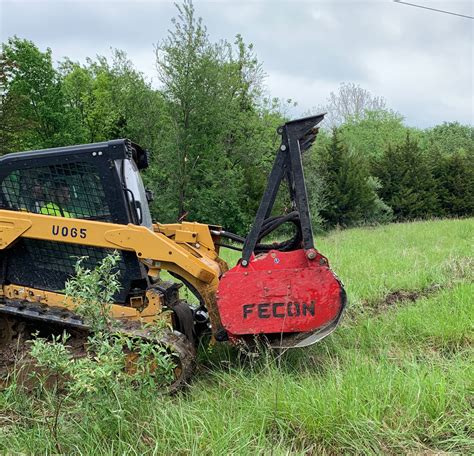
{"x": 211, "y": 128}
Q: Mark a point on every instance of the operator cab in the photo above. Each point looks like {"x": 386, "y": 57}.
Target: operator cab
{"x": 102, "y": 179}
{"x": 98, "y": 182}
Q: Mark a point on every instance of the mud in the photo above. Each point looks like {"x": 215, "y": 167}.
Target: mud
{"x": 409, "y": 295}
{"x": 457, "y": 269}
{"x": 15, "y": 358}
{"x": 395, "y": 297}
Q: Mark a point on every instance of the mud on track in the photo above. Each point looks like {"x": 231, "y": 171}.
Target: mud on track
{"x": 15, "y": 338}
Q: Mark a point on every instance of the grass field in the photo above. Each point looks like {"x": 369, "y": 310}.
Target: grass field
{"x": 395, "y": 378}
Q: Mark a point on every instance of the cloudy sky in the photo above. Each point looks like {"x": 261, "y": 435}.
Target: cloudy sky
{"x": 420, "y": 61}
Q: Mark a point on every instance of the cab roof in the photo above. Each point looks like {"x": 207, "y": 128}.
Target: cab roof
{"x": 115, "y": 149}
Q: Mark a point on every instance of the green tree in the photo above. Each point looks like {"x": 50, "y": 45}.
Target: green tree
{"x": 313, "y": 164}
{"x": 108, "y": 100}
{"x": 371, "y": 135}
{"x": 454, "y": 176}
{"x": 350, "y": 191}
{"x": 32, "y": 114}
{"x": 213, "y": 162}
{"x": 187, "y": 70}
{"x": 89, "y": 92}
{"x": 408, "y": 185}
{"x": 450, "y": 137}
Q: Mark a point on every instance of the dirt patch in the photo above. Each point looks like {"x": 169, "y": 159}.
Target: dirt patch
{"x": 397, "y": 296}
{"x": 8, "y": 355}
{"x": 457, "y": 269}
{"x": 12, "y": 345}
{"x": 16, "y": 362}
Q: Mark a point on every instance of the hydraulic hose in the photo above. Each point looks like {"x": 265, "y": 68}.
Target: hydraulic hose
{"x": 269, "y": 225}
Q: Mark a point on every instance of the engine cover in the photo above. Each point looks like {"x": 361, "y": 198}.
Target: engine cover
{"x": 280, "y": 292}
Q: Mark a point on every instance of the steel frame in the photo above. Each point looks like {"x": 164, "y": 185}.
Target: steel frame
{"x": 297, "y": 136}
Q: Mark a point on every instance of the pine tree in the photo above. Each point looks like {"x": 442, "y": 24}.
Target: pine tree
{"x": 350, "y": 193}
{"x": 455, "y": 183}
{"x": 408, "y": 185}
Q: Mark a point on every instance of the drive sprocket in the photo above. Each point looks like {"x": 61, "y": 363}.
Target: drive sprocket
{"x": 180, "y": 349}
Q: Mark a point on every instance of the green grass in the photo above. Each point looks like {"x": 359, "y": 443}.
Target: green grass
{"x": 395, "y": 378}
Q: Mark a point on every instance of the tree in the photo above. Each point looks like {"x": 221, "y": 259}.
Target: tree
{"x": 408, "y": 185}
{"x": 454, "y": 176}
{"x": 186, "y": 68}
{"x": 213, "y": 162}
{"x": 350, "y": 192}
{"x": 108, "y": 100}
{"x": 372, "y": 134}
{"x": 32, "y": 114}
{"x": 450, "y": 137}
{"x": 351, "y": 102}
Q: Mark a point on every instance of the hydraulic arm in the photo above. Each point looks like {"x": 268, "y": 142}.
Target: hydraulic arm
{"x": 185, "y": 249}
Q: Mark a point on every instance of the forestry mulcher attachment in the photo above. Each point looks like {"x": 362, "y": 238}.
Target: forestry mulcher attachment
{"x": 57, "y": 205}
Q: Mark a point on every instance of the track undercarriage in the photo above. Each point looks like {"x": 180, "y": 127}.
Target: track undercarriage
{"x": 21, "y": 321}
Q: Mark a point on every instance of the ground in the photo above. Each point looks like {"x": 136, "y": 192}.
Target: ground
{"x": 395, "y": 377}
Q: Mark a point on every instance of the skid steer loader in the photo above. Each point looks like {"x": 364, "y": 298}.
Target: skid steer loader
{"x": 86, "y": 201}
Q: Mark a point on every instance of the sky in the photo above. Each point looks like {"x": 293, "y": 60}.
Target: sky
{"x": 420, "y": 61}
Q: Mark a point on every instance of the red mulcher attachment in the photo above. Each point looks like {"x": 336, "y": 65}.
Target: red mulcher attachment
{"x": 285, "y": 291}
{"x": 293, "y": 300}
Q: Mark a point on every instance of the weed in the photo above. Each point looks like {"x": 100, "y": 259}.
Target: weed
{"x": 64, "y": 378}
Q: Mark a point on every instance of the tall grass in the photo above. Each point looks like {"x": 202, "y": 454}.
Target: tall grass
{"x": 394, "y": 381}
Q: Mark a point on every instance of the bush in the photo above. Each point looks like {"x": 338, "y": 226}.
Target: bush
{"x": 106, "y": 365}
{"x": 66, "y": 379}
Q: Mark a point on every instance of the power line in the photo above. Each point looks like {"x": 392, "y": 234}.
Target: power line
{"x": 434, "y": 9}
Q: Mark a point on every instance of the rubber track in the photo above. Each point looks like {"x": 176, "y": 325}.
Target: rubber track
{"x": 64, "y": 320}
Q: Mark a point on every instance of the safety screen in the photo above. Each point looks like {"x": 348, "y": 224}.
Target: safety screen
{"x": 71, "y": 190}
{"x": 48, "y": 265}
{"x": 67, "y": 190}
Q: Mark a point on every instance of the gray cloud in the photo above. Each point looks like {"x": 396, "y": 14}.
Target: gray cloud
{"x": 420, "y": 61}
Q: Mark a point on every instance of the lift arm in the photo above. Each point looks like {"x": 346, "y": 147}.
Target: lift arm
{"x": 167, "y": 247}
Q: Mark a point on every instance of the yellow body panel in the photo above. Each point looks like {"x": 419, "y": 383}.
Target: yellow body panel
{"x": 186, "y": 249}
{"x": 151, "y": 311}
{"x": 11, "y": 228}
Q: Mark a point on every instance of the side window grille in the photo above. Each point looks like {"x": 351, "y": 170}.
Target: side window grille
{"x": 66, "y": 190}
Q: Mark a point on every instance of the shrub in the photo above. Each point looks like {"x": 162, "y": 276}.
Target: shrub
{"x": 108, "y": 343}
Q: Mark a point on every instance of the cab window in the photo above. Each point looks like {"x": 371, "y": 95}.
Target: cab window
{"x": 74, "y": 189}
